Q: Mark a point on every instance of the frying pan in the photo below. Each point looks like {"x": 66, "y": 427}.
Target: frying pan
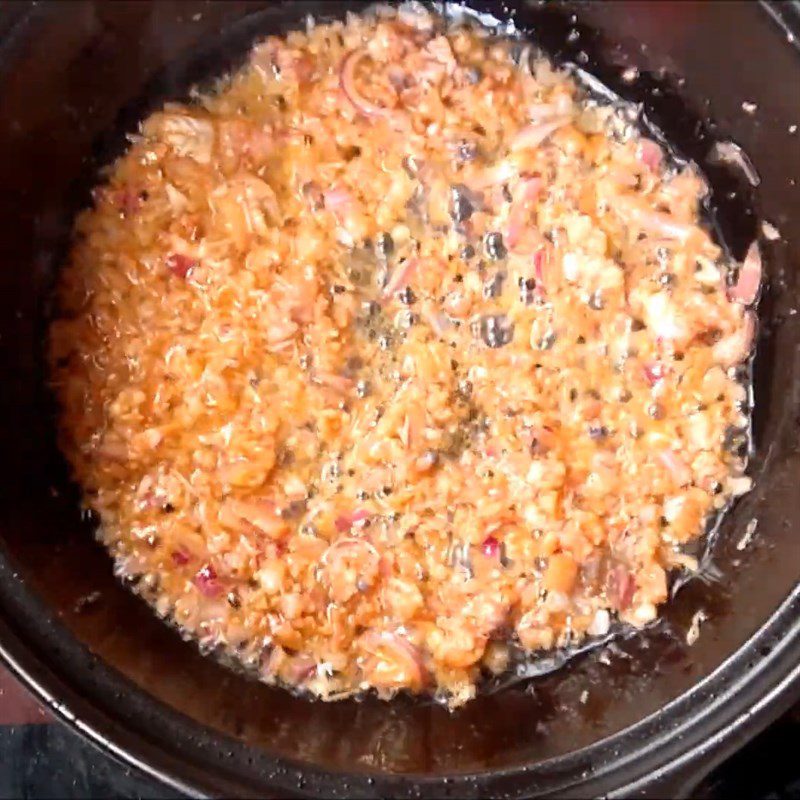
{"x": 644, "y": 715}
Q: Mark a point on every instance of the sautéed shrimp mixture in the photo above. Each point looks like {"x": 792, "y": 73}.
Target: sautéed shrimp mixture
{"x": 396, "y": 356}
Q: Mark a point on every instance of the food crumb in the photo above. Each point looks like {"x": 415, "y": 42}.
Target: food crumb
{"x": 749, "y": 532}
{"x": 693, "y": 634}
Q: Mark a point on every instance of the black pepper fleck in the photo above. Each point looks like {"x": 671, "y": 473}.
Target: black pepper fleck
{"x": 494, "y": 286}
{"x": 596, "y": 302}
{"x": 667, "y": 279}
{"x": 406, "y": 296}
{"x": 308, "y": 529}
{"x": 460, "y": 206}
{"x": 494, "y": 246}
{"x": 495, "y": 330}
{"x": 527, "y": 287}
{"x": 371, "y": 309}
{"x": 466, "y": 151}
{"x": 294, "y": 509}
{"x": 384, "y": 245}
{"x": 464, "y": 389}
{"x": 598, "y": 432}
{"x": 473, "y": 75}
{"x": 547, "y": 341}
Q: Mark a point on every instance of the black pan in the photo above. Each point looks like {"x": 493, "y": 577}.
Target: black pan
{"x": 647, "y": 715}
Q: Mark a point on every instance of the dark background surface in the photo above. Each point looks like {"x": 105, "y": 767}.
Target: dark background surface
{"x": 43, "y": 758}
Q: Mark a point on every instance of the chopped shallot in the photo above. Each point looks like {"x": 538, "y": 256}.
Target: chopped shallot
{"x": 676, "y": 466}
{"x": 622, "y": 587}
{"x": 539, "y": 261}
{"x": 654, "y": 372}
{"x": 440, "y": 323}
{"x": 300, "y": 668}
{"x": 650, "y": 154}
{"x": 344, "y": 522}
{"x": 733, "y": 348}
{"x": 177, "y": 200}
{"x": 440, "y": 49}
{"x": 337, "y": 199}
{"x": 188, "y": 136}
{"x": 261, "y": 514}
{"x": 600, "y": 624}
{"x": 351, "y": 566}
{"x": 400, "y": 277}
{"x": 339, "y": 383}
{"x": 180, "y": 265}
{"x": 664, "y": 318}
{"x": 414, "y": 14}
{"x": 394, "y": 662}
{"x": 207, "y": 582}
{"x": 490, "y": 547}
{"x": 524, "y": 199}
{"x": 540, "y": 112}
{"x": 655, "y": 222}
{"x": 745, "y": 290}
{"x": 533, "y": 135}
{"x": 347, "y": 82}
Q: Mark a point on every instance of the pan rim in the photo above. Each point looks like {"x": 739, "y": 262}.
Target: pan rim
{"x": 736, "y": 701}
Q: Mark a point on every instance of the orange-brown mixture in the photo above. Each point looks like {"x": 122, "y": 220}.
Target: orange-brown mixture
{"x": 396, "y": 353}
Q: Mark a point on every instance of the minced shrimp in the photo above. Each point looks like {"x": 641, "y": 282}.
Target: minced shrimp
{"x": 392, "y": 354}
